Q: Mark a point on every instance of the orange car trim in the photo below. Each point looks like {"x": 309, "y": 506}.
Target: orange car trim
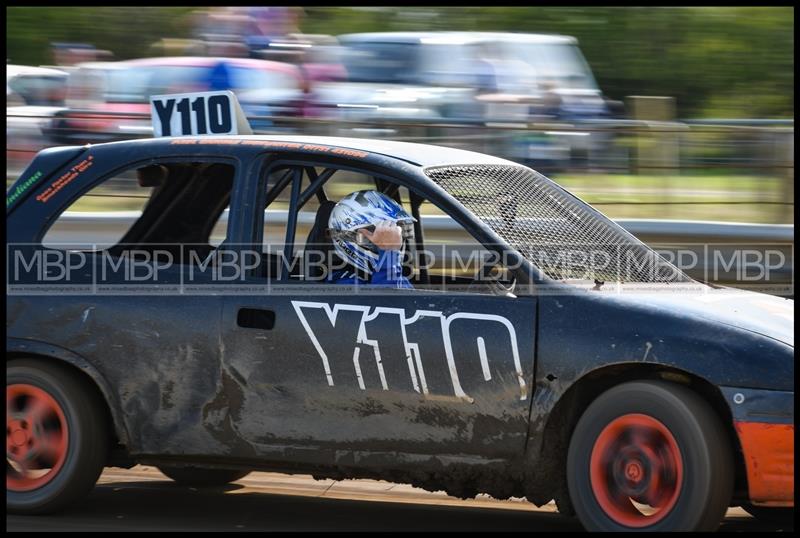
{"x": 769, "y": 458}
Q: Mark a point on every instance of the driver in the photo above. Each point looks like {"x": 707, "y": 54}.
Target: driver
{"x": 370, "y": 232}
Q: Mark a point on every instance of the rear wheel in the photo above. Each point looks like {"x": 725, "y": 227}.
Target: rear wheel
{"x": 650, "y": 456}
{"x": 202, "y": 476}
{"x": 56, "y": 437}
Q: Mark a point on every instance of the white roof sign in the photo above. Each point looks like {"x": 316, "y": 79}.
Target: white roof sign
{"x": 199, "y": 113}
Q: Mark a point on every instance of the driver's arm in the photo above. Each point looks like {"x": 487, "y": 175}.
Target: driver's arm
{"x": 389, "y": 270}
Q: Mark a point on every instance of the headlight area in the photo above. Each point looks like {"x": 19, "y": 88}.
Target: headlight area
{"x": 764, "y": 422}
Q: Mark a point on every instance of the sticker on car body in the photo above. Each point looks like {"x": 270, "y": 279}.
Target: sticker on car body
{"x": 65, "y": 179}
{"x": 372, "y": 317}
{"x": 22, "y": 187}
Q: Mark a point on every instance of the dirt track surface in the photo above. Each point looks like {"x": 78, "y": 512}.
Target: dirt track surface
{"x": 142, "y": 499}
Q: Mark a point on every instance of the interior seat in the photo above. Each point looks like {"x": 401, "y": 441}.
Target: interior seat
{"x": 319, "y": 249}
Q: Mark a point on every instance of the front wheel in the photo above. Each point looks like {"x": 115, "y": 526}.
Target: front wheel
{"x": 650, "y": 456}
{"x": 202, "y": 476}
{"x": 56, "y": 437}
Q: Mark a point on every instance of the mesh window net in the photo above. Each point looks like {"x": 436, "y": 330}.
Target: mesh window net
{"x": 554, "y": 230}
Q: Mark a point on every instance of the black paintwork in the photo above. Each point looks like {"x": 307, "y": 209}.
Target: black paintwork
{"x": 758, "y": 405}
{"x": 186, "y": 382}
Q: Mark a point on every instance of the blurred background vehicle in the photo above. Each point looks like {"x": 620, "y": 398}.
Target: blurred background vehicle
{"x": 444, "y": 72}
{"x": 111, "y": 100}
{"x": 706, "y": 132}
{"x": 321, "y": 57}
{"x": 420, "y": 76}
{"x": 33, "y": 96}
{"x": 35, "y": 86}
{"x": 472, "y": 77}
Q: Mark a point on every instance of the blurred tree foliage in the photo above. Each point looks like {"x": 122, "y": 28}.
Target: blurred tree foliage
{"x": 716, "y": 62}
{"x": 127, "y": 32}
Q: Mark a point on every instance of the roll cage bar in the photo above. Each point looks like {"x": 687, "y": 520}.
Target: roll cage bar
{"x": 293, "y": 177}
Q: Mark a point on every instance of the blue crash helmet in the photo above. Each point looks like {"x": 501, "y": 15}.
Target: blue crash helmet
{"x": 365, "y": 209}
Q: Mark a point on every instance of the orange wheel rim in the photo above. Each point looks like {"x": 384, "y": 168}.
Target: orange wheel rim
{"x": 37, "y": 437}
{"x": 636, "y": 470}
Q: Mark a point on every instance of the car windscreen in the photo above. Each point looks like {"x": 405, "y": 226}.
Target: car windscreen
{"x": 380, "y": 62}
{"x": 137, "y": 84}
{"x": 557, "y": 232}
{"x": 562, "y": 64}
{"x": 450, "y": 64}
{"x": 39, "y": 90}
{"x": 245, "y": 78}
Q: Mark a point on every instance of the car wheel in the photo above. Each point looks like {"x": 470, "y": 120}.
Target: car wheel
{"x": 778, "y": 515}
{"x": 202, "y": 476}
{"x": 56, "y": 437}
{"x": 650, "y": 455}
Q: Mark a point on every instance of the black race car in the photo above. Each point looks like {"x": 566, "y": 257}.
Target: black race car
{"x": 603, "y": 378}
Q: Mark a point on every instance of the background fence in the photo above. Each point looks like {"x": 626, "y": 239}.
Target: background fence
{"x": 675, "y": 185}
{"x": 740, "y": 171}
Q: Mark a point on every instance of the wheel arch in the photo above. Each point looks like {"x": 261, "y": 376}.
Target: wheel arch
{"x": 566, "y": 412}
{"x": 17, "y": 348}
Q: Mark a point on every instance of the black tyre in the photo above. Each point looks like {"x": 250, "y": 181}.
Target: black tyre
{"x": 202, "y": 476}
{"x": 768, "y": 514}
{"x": 650, "y": 455}
{"x": 56, "y": 437}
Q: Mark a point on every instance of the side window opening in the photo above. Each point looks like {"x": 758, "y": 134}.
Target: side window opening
{"x": 117, "y": 201}
{"x": 450, "y": 260}
{"x": 220, "y": 230}
{"x": 167, "y": 206}
{"x": 280, "y": 262}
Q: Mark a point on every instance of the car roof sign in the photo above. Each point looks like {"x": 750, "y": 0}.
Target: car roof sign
{"x": 198, "y": 113}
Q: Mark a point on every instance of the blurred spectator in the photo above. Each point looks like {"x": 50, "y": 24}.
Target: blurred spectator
{"x": 484, "y": 69}
{"x": 70, "y": 54}
{"x": 270, "y": 25}
{"x": 222, "y": 30}
{"x": 274, "y": 22}
{"x": 550, "y": 103}
{"x": 244, "y": 31}
{"x": 219, "y": 78}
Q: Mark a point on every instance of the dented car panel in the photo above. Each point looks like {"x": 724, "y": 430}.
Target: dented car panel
{"x": 437, "y": 389}
{"x": 580, "y": 334}
{"x": 429, "y": 375}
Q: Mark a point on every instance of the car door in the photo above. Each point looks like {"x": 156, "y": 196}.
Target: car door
{"x": 118, "y": 301}
{"x": 329, "y": 369}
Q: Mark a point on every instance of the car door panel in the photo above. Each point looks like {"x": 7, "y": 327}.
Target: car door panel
{"x": 416, "y": 371}
{"x": 123, "y": 314}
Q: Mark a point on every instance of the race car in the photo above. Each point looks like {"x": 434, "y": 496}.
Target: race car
{"x": 565, "y": 361}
